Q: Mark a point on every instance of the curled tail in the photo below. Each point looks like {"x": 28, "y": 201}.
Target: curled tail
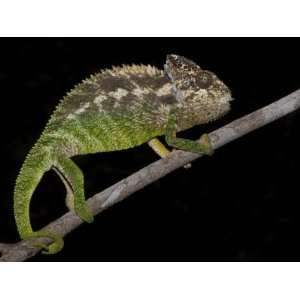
{"x": 38, "y": 161}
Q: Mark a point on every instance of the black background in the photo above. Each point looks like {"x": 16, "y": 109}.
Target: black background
{"x": 242, "y": 204}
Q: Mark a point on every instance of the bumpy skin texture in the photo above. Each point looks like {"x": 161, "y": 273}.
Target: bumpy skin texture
{"x": 116, "y": 109}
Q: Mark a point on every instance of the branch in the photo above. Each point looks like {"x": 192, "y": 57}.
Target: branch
{"x": 21, "y": 251}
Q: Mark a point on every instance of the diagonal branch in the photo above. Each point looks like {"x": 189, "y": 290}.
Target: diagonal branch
{"x": 124, "y": 188}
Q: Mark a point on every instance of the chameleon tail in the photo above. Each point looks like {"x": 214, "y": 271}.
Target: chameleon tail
{"x": 36, "y": 164}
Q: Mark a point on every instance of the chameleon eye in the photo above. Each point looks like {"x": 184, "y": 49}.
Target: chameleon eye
{"x": 203, "y": 80}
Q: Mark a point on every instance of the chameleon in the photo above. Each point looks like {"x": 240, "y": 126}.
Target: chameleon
{"x": 116, "y": 109}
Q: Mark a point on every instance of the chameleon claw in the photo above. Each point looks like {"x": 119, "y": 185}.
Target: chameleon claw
{"x": 187, "y": 166}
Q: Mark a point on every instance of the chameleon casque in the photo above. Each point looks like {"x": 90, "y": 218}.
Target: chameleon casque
{"x": 117, "y": 109}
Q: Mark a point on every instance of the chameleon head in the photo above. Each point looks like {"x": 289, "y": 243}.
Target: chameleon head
{"x": 199, "y": 92}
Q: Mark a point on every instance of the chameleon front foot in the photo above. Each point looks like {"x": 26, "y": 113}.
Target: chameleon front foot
{"x": 203, "y": 146}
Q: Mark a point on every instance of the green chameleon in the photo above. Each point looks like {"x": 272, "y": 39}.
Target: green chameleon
{"x": 116, "y": 109}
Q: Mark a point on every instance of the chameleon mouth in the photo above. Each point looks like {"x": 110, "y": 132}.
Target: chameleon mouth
{"x": 226, "y": 99}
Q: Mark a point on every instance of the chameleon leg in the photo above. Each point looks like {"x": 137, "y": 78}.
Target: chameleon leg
{"x": 158, "y": 147}
{"x": 161, "y": 150}
{"x": 73, "y": 179}
{"x": 203, "y": 146}
{"x": 70, "y": 194}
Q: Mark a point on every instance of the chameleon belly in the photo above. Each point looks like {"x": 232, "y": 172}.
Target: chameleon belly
{"x": 101, "y": 134}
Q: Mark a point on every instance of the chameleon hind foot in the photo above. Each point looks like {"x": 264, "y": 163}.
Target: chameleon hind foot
{"x": 56, "y": 245}
{"x": 79, "y": 208}
{"x": 84, "y": 214}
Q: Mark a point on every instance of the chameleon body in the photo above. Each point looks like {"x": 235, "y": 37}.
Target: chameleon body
{"x": 116, "y": 109}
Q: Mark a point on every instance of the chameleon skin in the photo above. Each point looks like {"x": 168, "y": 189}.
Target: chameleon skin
{"x": 117, "y": 109}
